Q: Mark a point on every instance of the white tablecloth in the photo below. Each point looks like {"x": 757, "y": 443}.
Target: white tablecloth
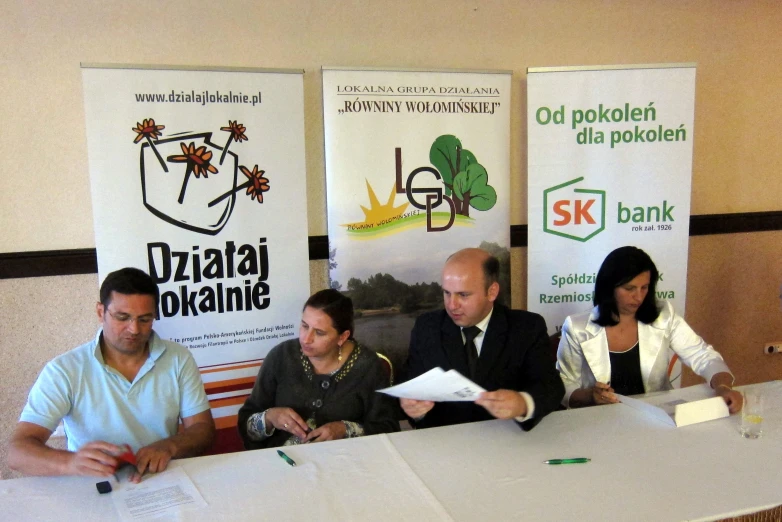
{"x": 641, "y": 469}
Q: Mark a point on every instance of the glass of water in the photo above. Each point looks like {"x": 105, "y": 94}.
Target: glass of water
{"x": 752, "y": 414}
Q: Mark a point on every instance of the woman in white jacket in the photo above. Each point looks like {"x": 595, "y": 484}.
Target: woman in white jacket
{"x": 625, "y": 344}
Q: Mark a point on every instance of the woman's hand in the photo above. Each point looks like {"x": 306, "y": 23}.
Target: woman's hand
{"x": 286, "y": 419}
{"x": 332, "y": 431}
{"x": 603, "y": 394}
{"x": 732, "y": 398}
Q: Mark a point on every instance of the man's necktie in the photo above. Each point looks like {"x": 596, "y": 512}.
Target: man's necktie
{"x": 470, "y": 333}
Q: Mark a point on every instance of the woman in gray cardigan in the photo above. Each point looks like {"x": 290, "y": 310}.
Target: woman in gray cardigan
{"x": 320, "y": 386}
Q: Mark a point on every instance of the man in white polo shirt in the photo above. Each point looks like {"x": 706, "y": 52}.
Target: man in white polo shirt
{"x": 127, "y": 386}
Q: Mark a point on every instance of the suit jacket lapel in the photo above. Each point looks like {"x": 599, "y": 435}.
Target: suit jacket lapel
{"x": 596, "y": 351}
{"x": 650, "y": 340}
{"x": 453, "y": 346}
{"x": 493, "y": 343}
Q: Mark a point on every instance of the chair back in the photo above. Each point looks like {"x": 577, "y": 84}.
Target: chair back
{"x": 388, "y": 367}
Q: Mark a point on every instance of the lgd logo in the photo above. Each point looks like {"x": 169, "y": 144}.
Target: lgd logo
{"x": 574, "y": 213}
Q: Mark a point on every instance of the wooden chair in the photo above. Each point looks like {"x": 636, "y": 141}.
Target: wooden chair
{"x": 388, "y": 366}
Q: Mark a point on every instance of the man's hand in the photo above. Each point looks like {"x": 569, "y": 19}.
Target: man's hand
{"x": 286, "y": 419}
{"x": 29, "y": 454}
{"x": 503, "y": 404}
{"x": 153, "y": 458}
{"x": 195, "y": 437}
{"x": 416, "y": 409}
{"x": 94, "y": 459}
{"x": 332, "y": 431}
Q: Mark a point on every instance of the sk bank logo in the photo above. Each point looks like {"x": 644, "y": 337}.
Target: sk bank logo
{"x": 574, "y": 213}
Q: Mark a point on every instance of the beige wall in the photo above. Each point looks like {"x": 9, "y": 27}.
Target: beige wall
{"x": 734, "y": 280}
{"x": 736, "y": 45}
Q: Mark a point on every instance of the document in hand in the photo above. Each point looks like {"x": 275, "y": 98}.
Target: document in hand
{"x": 437, "y": 385}
{"x": 681, "y": 413}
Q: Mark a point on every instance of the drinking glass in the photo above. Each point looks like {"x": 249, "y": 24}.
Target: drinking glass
{"x": 752, "y": 414}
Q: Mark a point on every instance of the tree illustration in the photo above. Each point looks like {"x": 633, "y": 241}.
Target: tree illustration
{"x": 464, "y": 178}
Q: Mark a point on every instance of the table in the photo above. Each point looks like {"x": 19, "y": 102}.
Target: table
{"x": 641, "y": 469}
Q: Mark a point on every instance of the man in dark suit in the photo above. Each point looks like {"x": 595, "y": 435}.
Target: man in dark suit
{"x": 509, "y": 355}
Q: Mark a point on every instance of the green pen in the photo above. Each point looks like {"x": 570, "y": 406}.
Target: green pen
{"x": 286, "y": 458}
{"x": 578, "y": 460}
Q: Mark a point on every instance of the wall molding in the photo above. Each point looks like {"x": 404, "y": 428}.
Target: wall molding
{"x": 84, "y": 261}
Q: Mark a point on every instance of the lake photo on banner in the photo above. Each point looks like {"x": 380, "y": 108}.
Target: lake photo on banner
{"x": 387, "y": 333}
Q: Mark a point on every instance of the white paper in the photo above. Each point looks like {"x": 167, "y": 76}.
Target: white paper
{"x": 681, "y": 413}
{"x": 649, "y": 409}
{"x": 437, "y": 385}
{"x": 160, "y": 495}
{"x": 699, "y": 411}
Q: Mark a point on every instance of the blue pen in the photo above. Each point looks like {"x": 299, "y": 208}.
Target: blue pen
{"x": 286, "y": 458}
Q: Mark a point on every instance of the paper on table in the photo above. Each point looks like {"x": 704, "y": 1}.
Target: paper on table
{"x": 653, "y": 411}
{"x": 681, "y": 413}
{"x": 163, "y": 494}
{"x": 437, "y": 385}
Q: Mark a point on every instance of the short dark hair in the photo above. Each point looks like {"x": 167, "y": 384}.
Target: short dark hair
{"x": 620, "y": 266}
{"x": 128, "y": 281}
{"x": 491, "y": 271}
{"x": 337, "y": 306}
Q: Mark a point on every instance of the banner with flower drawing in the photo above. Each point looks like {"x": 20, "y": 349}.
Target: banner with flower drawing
{"x": 198, "y": 178}
{"x": 417, "y": 167}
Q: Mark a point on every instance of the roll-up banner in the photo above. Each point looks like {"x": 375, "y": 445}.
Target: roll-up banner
{"x": 417, "y": 167}
{"x": 610, "y": 164}
{"x": 198, "y": 178}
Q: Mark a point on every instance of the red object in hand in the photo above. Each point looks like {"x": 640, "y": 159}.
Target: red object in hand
{"x": 127, "y": 457}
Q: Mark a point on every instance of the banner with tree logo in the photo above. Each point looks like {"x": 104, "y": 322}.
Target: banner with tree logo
{"x": 198, "y": 178}
{"x": 610, "y": 164}
{"x": 417, "y": 167}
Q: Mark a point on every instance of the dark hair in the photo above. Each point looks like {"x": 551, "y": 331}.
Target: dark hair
{"x": 338, "y": 307}
{"x": 620, "y": 266}
{"x": 128, "y": 281}
{"x": 491, "y": 271}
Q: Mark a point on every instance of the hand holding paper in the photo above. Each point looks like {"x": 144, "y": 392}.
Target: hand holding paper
{"x": 415, "y": 409}
{"x": 602, "y": 393}
{"x": 503, "y": 404}
{"x": 438, "y": 386}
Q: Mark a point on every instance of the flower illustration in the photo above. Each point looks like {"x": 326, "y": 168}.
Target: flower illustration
{"x": 148, "y": 130}
{"x": 237, "y": 134}
{"x": 256, "y": 185}
{"x": 197, "y": 163}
